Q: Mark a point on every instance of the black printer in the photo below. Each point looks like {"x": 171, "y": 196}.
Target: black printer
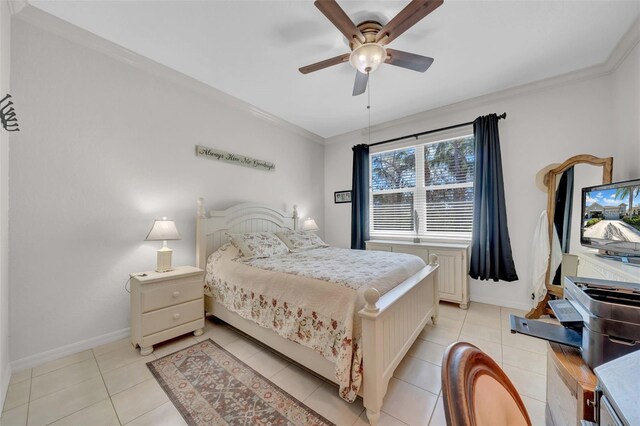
{"x": 601, "y": 318}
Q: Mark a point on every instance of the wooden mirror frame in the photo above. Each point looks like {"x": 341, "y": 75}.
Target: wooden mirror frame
{"x": 550, "y": 180}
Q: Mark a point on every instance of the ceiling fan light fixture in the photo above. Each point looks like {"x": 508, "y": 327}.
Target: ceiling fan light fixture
{"x": 367, "y": 57}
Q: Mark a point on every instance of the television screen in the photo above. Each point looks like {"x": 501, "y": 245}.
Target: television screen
{"x": 611, "y": 217}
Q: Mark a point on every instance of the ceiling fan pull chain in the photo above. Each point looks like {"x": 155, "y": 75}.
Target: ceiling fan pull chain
{"x": 369, "y": 103}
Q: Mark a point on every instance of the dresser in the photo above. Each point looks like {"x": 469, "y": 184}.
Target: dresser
{"x": 571, "y": 386}
{"x": 165, "y": 305}
{"x": 593, "y": 266}
{"x": 453, "y": 258}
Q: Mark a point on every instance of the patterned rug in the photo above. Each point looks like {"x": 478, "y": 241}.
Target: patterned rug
{"x": 209, "y": 386}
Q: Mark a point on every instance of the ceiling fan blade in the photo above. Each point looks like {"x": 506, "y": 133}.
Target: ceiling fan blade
{"x": 340, "y": 19}
{"x": 408, "y": 60}
{"x": 407, "y": 18}
{"x": 360, "y": 85}
{"x": 324, "y": 64}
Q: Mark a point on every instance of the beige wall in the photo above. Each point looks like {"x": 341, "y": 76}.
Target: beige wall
{"x": 105, "y": 148}
{"x": 5, "y": 69}
{"x": 547, "y": 123}
{"x": 626, "y": 108}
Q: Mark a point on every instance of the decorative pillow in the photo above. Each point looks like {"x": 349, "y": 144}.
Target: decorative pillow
{"x": 258, "y": 244}
{"x": 300, "y": 240}
{"x": 227, "y": 252}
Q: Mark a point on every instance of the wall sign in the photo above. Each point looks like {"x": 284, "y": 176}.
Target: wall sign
{"x": 237, "y": 159}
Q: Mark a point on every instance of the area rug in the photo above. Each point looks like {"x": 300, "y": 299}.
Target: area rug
{"x": 210, "y": 386}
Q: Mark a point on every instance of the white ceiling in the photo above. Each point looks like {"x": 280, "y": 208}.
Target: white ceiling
{"x": 252, "y": 49}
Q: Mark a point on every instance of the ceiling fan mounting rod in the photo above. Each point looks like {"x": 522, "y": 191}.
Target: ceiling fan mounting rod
{"x": 369, "y": 26}
{"x": 369, "y": 30}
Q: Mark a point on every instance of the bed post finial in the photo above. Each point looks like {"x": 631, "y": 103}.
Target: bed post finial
{"x": 295, "y": 217}
{"x": 371, "y": 295}
{"x": 201, "y": 211}
{"x": 433, "y": 259}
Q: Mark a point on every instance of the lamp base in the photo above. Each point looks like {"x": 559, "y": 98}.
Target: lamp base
{"x": 164, "y": 260}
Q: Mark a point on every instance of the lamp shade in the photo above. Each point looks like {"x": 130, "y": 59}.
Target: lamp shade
{"x": 163, "y": 230}
{"x": 310, "y": 225}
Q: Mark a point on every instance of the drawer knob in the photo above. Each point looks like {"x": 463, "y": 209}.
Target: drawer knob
{"x": 176, "y": 316}
{"x": 176, "y": 293}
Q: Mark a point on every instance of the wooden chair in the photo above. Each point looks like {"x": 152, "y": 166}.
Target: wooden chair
{"x": 477, "y": 392}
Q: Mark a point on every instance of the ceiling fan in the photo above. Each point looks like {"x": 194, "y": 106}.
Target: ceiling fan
{"x": 368, "y": 39}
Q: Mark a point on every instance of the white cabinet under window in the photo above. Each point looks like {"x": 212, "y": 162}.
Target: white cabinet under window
{"x": 593, "y": 266}
{"x": 453, "y": 258}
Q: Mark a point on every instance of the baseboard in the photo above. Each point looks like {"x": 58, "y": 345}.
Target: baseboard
{"x": 503, "y": 303}
{"x": 6, "y": 378}
{"x": 83, "y": 345}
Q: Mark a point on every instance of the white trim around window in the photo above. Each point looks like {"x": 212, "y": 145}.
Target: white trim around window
{"x": 442, "y": 199}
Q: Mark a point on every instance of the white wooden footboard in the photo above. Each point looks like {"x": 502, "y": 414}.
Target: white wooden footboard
{"x": 390, "y": 326}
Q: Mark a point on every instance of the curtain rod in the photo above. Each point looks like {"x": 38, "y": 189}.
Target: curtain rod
{"x": 417, "y": 135}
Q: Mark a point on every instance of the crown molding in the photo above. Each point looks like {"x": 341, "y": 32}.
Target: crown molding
{"x": 617, "y": 57}
{"x": 16, "y": 6}
{"x": 625, "y": 46}
{"x": 21, "y": 9}
{"x": 50, "y": 23}
{"x": 593, "y": 72}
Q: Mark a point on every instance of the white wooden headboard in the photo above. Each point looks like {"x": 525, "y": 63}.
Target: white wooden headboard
{"x": 211, "y": 228}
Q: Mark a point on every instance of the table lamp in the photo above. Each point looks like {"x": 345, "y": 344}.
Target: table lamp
{"x": 310, "y": 225}
{"x": 163, "y": 230}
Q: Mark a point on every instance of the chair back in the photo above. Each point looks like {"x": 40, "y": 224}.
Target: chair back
{"x": 476, "y": 392}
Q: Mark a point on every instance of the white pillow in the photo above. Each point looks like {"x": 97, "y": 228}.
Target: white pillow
{"x": 254, "y": 245}
{"x": 298, "y": 241}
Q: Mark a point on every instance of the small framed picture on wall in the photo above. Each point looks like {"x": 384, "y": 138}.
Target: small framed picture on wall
{"x": 342, "y": 197}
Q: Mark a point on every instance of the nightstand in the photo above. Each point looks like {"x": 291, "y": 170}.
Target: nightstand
{"x": 165, "y": 305}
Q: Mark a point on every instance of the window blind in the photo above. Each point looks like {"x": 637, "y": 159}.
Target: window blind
{"x": 442, "y": 197}
{"x": 393, "y": 211}
{"x": 393, "y": 182}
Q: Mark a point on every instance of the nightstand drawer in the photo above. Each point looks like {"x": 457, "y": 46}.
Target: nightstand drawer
{"x": 170, "y": 333}
{"x": 159, "y": 296}
{"x": 156, "y": 321}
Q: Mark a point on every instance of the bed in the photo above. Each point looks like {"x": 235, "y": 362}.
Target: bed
{"x": 386, "y": 322}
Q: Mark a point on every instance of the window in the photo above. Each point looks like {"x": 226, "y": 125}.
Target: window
{"x": 433, "y": 180}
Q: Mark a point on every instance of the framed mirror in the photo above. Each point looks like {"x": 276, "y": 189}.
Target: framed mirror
{"x": 564, "y": 183}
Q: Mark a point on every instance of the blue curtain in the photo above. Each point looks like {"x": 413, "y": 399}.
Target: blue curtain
{"x": 490, "y": 247}
{"x": 360, "y": 197}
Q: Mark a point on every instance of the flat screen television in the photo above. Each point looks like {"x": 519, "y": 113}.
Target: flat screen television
{"x": 611, "y": 218}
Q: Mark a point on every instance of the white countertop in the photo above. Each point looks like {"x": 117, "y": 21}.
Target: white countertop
{"x": 620, "y": 380}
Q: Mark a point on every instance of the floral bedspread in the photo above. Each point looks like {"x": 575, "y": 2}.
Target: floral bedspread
{"x": 310, "y": 297}
{"x": 350, "y": 268}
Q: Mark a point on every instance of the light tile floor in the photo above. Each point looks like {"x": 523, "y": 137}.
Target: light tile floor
{"x": 111, "y": 385}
